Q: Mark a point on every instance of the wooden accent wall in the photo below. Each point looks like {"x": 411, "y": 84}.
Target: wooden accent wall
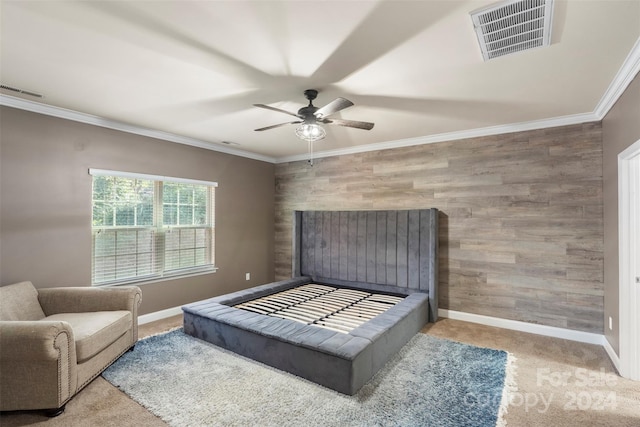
{"x": 521, "y": 222}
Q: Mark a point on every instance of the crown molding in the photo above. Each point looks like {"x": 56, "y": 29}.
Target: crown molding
{"x": 450, "y": 136}
{"x": 76, "y": 116}
{"x": 626, "y": 73}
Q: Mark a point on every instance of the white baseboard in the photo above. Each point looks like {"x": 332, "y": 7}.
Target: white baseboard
{"x": 612, "y": 354}
{"x": 516, "y": 325}
{"x": 159, "y": 315}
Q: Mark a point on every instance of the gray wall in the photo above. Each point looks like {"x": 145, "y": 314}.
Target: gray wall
{"x": 45, "y": 205}
{"x": 520, "y": 224}
{"x": 620, "y": 129}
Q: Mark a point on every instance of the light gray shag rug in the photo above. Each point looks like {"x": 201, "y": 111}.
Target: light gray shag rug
{"x": 430, "y": 382}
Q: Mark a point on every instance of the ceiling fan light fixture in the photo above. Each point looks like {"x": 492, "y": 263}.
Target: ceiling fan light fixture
{"x": 308, "y": 117}
{"x": 310, "y": 132}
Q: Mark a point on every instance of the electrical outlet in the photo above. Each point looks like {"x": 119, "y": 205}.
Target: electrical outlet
{"x": 247, "y": 276}
{"x": 610, "y": 323}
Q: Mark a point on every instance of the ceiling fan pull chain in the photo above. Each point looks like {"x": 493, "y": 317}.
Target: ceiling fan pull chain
{"x": 310, "y": 153}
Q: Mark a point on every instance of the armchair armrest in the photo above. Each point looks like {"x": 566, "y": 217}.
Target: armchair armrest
{"x": 34, "y": 340}
{"x": 37, "y": 364}
{"x": 81, "y": 299}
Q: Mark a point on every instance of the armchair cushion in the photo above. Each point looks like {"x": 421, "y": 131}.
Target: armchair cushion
{"x": 20, "y": 302}
{"x": 93, "y": 332}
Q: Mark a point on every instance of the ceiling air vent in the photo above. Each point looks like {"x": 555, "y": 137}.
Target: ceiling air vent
{"x": 513, "y": 26}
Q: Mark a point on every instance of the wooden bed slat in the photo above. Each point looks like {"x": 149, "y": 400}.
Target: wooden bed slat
{"x": 324, "y": 306}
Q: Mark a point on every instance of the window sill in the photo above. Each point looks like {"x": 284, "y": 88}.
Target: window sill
{"x": 165, "y": 278}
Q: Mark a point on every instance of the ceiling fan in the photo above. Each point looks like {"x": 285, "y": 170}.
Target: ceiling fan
{"x": 311, "y": 117}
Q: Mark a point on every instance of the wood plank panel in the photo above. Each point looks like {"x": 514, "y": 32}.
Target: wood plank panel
{"x": 521, "y": 225}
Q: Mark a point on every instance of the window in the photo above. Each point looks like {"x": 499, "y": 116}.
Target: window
{"x": 147, "y": 227}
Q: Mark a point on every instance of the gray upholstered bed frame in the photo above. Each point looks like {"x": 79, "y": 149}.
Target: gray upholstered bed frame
{"x": 391, "y": 252}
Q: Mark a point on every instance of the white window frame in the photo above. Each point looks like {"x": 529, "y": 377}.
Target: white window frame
{"x": 159, "y": 229}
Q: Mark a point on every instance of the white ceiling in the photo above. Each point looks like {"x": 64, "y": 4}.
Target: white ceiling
{"x": 193, "y": 69}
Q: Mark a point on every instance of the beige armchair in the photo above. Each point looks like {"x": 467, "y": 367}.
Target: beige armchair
{"x": 54, "y": 341}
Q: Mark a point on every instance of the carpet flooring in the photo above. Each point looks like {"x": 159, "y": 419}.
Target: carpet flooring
{"x": 430, "y": 382}
{"x": 101, "y": 404}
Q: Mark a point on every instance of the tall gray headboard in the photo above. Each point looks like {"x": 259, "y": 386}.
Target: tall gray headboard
{"x": 398, "y": 248}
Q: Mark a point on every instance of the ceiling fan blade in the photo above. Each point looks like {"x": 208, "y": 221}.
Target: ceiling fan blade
{"x": 333, "y": 107}
{"x": 268, "y": 107}
{"x": 277, "y": 126}
{"x": 351, "y": 123}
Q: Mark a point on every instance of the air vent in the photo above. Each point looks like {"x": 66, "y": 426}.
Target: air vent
{"x": 513, "y": 26}
{"x": 24, "y": 92}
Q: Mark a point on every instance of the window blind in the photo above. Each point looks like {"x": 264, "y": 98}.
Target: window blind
{"x": 146, "y": 227}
